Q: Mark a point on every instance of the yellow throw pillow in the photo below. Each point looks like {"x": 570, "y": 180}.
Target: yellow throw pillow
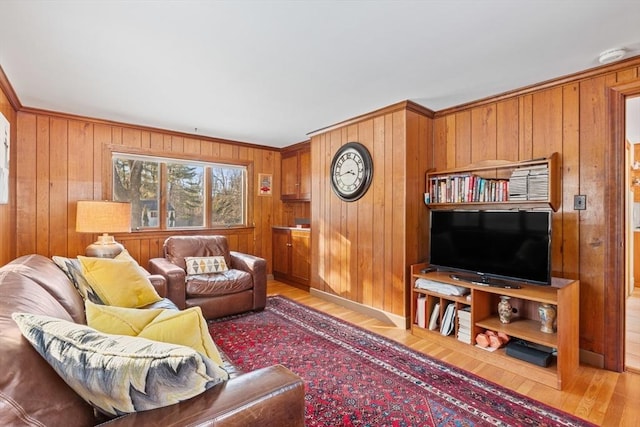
{"x": 187, "y": 327}
{"x": 118, "y": 282}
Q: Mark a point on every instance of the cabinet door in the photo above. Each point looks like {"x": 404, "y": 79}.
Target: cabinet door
{"x": 290, "y": 184}
{"x": 300, "y": 256}
{"x": 304, "y": 175}
{"x": 281, "y": 252}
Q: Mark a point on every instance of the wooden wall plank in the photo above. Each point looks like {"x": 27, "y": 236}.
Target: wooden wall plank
{"x": 389, "y": 187}
{"x": 43, "y": 231}
{"x": 462, "y": 142}
{"x": 59, "y": 204}
{"x": 483, "y": 133}
{"x": 507, "y": 122}
{"x": 26, "y": 179}
{"x": 80, "y": 177}
{"x": 378, "y": 211}
{"x": 592, "y": 132}
{"x": 398, "y": 197}
{"x": 570, "y": 184}
{"x": 366, "y": 229}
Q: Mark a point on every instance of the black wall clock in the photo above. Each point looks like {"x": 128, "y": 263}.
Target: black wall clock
{"x": 351, "y": 171}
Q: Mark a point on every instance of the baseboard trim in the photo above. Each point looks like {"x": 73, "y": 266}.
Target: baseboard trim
{"x": 591, "y": 358}
{"x": 389, "y": 318}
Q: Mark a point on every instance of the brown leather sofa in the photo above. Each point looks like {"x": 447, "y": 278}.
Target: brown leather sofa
{"x": 32, "y": 394}
{"x": 242, "y": 288}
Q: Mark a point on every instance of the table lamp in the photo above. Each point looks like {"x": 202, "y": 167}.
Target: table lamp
{"x": 103, "y": 216}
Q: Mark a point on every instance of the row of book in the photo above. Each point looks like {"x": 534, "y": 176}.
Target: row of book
{"x": 446, "y": 326}
{"x": 467, "y": 188}
{"x": 527, "y": 183}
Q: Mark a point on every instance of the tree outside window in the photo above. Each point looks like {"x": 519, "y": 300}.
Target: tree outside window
{"x": 138, "y": 180}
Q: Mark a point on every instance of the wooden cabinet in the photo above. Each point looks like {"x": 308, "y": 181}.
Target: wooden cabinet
{"x": 296, "y": 174}
{"x": 482, "y": 304}
{"x": 292, "y": 256}
{"x": 531, "y": 183}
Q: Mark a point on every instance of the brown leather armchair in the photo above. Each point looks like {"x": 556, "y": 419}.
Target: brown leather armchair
{"x": 243, "y": 287}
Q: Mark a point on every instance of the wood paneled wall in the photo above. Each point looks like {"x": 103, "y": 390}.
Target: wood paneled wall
{"x": 362, "y": 250}
{"x": 61, "y": 160}
{"x": 7, "y": 223}
{"x": 569, "y": 117}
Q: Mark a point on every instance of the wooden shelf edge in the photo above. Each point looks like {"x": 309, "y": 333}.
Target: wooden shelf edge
{"x": 525, "y": 329}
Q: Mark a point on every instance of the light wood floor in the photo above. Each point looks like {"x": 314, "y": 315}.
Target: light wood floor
{"x": 602, "y": 397}
{"x": 632, "y": 332}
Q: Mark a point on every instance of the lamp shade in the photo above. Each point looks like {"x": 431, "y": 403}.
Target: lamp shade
{"x": 103, "y": 216}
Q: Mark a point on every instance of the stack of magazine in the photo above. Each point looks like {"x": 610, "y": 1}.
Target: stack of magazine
{"x": 538, "y": 183}
{"x": 530, "y": 183}
{"x": 464, "y": 325}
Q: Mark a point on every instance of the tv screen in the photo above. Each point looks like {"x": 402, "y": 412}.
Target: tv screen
{"x": 512, "y": 245}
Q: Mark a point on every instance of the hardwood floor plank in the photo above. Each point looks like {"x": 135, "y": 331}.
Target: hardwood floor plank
{"x": 602, "y": 397}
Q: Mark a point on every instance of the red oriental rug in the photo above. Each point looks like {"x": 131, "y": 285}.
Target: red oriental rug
{"x": 357, "y": 378}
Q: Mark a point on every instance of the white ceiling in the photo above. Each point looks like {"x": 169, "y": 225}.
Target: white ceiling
{"x": 268, "y": 72}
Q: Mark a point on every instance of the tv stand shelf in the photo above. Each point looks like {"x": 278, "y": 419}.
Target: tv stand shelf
{"x": 563, "y": 293}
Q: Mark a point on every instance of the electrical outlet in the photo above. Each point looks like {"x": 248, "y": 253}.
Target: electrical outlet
{"x": 579, "y": 202}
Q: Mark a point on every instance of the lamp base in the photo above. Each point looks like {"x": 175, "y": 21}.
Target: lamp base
{"x": 104, "y": 247}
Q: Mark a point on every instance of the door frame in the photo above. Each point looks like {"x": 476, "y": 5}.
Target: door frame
{"x": 614, "y": 203}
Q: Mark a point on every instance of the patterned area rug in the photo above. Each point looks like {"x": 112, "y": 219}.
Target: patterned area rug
{"x": 357, "y": 378}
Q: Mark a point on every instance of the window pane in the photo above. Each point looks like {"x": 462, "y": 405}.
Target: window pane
{"x": 136, "y": 181}
{"x": 185, "y": 195}
{"x": 228, "y": 186}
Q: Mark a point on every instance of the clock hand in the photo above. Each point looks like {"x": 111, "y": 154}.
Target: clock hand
{"x": 350, "y": 171}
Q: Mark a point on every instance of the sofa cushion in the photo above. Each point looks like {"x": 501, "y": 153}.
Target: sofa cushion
{"x": 186, "y": 327}
{"x": 214, "y": 284}
{"x": 118, "y": 282}
{"x": 119, "y": 374}
{"x": 205, "y": 265}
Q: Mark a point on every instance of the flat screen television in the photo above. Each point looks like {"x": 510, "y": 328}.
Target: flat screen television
{"x": 492, "y": 247}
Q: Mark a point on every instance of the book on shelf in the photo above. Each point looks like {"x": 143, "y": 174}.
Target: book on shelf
{"x": 448, "y": 319}
{"x": 464, "y": 188}
{"x": 435, "y": 315}
{"x": 421, "y": 307}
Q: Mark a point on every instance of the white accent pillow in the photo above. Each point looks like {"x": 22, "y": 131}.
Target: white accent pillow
{"x": 204, "y": 265}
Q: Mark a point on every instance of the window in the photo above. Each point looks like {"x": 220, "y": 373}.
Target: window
{"x": 180, "y": 194}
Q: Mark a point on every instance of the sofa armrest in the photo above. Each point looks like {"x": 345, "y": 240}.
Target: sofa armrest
{"x": 272, "y": 396}
{"x": 257, "y": 267}
{"x": 175, "y": 277}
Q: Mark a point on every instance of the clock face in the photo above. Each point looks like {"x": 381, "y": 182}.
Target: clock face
{"x": 351, "y": 171}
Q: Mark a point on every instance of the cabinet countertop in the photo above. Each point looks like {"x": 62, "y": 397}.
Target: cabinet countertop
{"x": 286, "y": 227}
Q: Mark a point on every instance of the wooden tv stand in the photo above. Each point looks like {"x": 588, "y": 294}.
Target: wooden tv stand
{"x": 483, "y": 302}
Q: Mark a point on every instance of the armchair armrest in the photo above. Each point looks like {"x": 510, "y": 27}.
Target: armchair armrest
{"x": 267, "y": 397}
{"x": 159, "y": 283}
{"x": 257, "y": 267}
{"x": 175, "y": 277}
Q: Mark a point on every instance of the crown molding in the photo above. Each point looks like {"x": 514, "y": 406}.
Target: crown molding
{"x": 6, "y": 87}
{"x": 399, "y": 106}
